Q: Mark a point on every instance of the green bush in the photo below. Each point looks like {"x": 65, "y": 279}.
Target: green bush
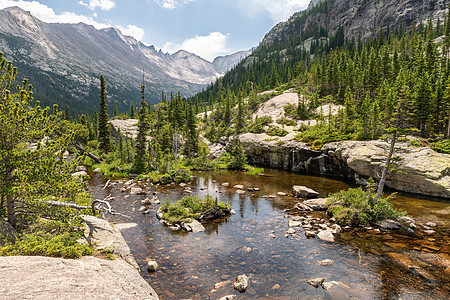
{"x": 355, "y": 207}
{"x": 276, "y": 131}
{"x": 257, "y": 126}
{"x": 202, "y": 163}
{"x": 442, "y": 146}
{"x": 286, "y": 121}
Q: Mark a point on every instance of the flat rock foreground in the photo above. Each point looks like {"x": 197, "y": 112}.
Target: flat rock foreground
{"x": 37, "y": 277}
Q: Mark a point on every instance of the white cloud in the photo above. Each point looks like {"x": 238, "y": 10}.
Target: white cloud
{"x": 102, "y": 4}
{"x": 171, "y": 4}
{"x": 48, "y": 15}
{"x": 132, "y": 30}
{"x": 207, "y": 47}
{"x": 279, "y": 10}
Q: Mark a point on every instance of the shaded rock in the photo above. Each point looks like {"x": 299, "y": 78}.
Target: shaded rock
{"x": 429, "y": 231}
{"x": 303, "y": 192}
{"x": 310, "y": 234}
{"x": 406, "y": 220}
{"x": 106, "y": 237}
{"x": 316, "y": 204}
{"x": 57, "y": 278}
{"x": 291, "y": 231}
{"x": 316, "y": 282}
{"x": 389, "y": 224}
{"x": 326, "y": 262}
{"x": 7, "y": 233}
{"x": 81, "y": 168}
{"x": 329, "y": 285}
{"x": 220, "y": 285}
{"x": 98, "y": 170}
{"x": 326, "y": 236}
{"x": 152, "y": 266}
{"x": 241, "y": 283}
{"x": 146, "y": 201}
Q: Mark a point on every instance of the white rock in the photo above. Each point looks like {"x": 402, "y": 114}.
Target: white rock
{"x": 238, "y": 186}
{"x": 295, "y": 223}
{"x": 326, "y": 262}
{"x": 326, "y": 236}
{"x": 431, "y": 224}
{"x": 291, "y": 231}
{"x": 329, "y": 285}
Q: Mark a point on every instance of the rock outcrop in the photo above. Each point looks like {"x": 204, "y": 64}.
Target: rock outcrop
{"x": 35, "y": 277}
{"x": 421, "y": 170}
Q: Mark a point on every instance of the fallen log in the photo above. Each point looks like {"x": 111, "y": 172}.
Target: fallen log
{"x": 89, "y": 154}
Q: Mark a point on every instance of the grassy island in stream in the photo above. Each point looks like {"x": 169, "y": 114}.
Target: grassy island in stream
{"x": 193, "y": 208}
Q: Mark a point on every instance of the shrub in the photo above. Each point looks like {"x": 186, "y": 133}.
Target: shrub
{"x": 276, "y": 131}
{"x": 355, "y": 207}
{"x": 442, "y": 146}
{"x": 287, "y": 122}
{"x": 257, "y": 126}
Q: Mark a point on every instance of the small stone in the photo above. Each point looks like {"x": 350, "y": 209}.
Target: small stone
{"x": 310, "y": 234}
{"x": 326, "y": 236}
{"x": 431, "y": 224}
{"x": 429, "y": 231}
{"x": 225, "y": 184}
{"x": 98, "y": 170}
{"x": 250, "y": 189}
{"x": 146, "y": 201}
{"x": 326, "y": 262}
{"x": 316, "y": 282}
{"x": 248, "y": 249}
{"x": 240, "y": 192}
{"x": 228, "y": 297}
{"x": 152, "y": 266}
{"x": 281, "y": 194}
{"x": 276, "y": 287}
{"x": 323, "y": 226}
{"x": 406, "y": 220}
{"x": 412, "y": 225}
{"x": 272, "y": 235}
{"x": 291, "y": 231}
{"x": 255, "y": 189}
{"x": 142, "y": 208}
{"x": 220, "y": 285}
{"x": 241, "y": 283}
{"x": 336, "y": 229}
{"x": 239, "y": 186}
{"x": 295, "y": 224}
{"x": 329, "y": 285}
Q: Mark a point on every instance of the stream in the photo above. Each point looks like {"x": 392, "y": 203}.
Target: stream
{"x": 366, "y": 265}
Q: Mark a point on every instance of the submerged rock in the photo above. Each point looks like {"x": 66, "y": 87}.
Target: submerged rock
{"x": 152, "y": 266}
{"x": 316, "y": 282}
{"x": 194, "y": 226}
{"x": 241, "y": 283}
{"x": 329, "y": 285}
{"x": 326, "y": 262}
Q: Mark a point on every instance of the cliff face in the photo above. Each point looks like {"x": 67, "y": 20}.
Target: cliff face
{"x": 359, "y": 17}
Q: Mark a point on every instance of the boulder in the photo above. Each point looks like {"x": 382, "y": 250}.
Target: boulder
{"x": 127, "y": 128}
{"x": 389, "y": 224}
{"x": 80, "y": 174}
{"x": 301, "y": 191}
{"x": 241, "y": 283}
{"x": 326, "y": 236}
{"x": 107, "y": 237}
{"x": 329, "y": 285}
{"x": 282, "y": 194}
{"x": 316, "y": 204}
{"x": 194, "y": 226}
{"x": 37, "y": 277}
{"x": 310, "y": 234}
{"x": 295, "y": 223}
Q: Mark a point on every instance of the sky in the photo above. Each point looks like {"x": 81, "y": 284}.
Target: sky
{"x": 208, "y": 28}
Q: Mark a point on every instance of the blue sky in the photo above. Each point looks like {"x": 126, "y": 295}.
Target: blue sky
{"x": 208, "y": 28}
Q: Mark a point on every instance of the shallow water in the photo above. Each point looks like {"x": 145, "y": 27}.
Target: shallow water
{"x": 278, "y": 268}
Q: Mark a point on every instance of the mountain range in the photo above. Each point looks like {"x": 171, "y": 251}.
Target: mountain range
{"x": 64, "y": 62}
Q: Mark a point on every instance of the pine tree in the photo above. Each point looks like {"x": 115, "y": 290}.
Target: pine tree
{"x": 240, "y": 115}
{"x": 30, "y": 174}
{"x": 103, "y": 118}
{"x": 141, "y": 158}
{"x": 191, "y": 146}
{"x": 132, "y": 113}
{"x": 115, "y": 111}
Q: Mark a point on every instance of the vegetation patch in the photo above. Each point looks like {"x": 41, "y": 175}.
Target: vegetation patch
{"x": 442, "y": 146}
{"x": 257, "y": 126}
{"x": 355, "y": 206}
{"x": 276, "y": 131}
{"x": 192, "y": 207}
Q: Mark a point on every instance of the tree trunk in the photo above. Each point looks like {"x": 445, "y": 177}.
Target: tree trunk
{"x": 11, "y": 209}
{"x": 95, "y": 158}
{"x": 385, "y": 169}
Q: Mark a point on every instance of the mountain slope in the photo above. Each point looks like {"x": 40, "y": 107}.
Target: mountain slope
{"x": 64, "y": 62}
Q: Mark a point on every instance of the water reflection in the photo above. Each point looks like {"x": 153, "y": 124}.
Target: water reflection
{"x": 278, "y": 268}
